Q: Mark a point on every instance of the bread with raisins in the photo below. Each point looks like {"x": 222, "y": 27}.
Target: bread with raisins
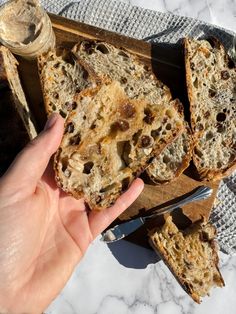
{"x": 108, "y": 142}
{"x": 211, "y": 81}
{"x": 190, "y": 254}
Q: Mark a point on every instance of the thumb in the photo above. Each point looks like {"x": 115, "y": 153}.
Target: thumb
{"x": 31, "y": 162}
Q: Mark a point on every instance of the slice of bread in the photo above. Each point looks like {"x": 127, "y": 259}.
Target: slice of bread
{"x": 16, "y": 126}
{"x": 211, "y": 81}
{"x": 174, "y": 159}
{"x": 10, "y": 77}
{"x": 104, "y": 61}
{"x": 61, "y": 78}
{"x": 108, "y": 141}
{"x": 191, "y": 255}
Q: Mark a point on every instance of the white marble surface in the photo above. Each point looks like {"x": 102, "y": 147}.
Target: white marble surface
{"x": 127, "y": 279}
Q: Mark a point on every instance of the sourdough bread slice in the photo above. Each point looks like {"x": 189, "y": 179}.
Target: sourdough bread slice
{"x": 61, "y": 78}
{"x": 108, "y": 142}
{"x": 16, "y": 126}
{"x": 174, "y": 159}
{"x": 104, "y": 61}
{"x": 211, "y": 83}
{"x": 191, "y": 255}
{"x": 10, "y": 77}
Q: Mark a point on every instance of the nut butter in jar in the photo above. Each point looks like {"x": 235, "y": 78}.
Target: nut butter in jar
{"x": 25, "y": 28}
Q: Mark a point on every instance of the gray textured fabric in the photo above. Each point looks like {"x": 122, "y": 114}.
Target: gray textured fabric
{"x": 119, "y": 16}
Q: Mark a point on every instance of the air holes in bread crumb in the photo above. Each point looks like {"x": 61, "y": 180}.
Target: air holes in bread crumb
{"x": 195, "y": 83}
{"x": 63, "y": 114}
{"x": 209, "y": 136}
{"x": 149, "y": 118}
{"x": 102, "y": 48}
{"x": 221, "y": 116}
{"x": 212, "y": 93}
{"x": 156, "y": 133}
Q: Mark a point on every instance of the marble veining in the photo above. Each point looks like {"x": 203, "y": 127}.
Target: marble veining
{"x": 101, "y": 284}
{"x": 126, "y": 279}
{"x": 219, "y": 12}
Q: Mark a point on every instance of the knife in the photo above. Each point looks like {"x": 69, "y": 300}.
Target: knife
{"x": 122, "y": 230}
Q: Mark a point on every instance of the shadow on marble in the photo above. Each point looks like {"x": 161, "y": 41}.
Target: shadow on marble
{"x": 131, "y": 255}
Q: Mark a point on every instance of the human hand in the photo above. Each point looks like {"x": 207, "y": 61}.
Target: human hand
{"x": 44, "y": 233}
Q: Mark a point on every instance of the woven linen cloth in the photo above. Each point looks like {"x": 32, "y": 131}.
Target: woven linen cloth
{"x": 123, "y": 18}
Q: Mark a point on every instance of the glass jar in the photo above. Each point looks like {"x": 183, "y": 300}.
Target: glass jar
{"x": 25, "y": 28}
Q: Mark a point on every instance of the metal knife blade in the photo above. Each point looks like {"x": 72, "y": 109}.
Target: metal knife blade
{"x": 120, "y": 231}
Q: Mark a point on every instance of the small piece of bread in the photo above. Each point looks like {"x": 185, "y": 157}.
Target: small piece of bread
{"x": 61, "y": 78}
{"x": 174, "y": 159}
{"x": 211, "y": 81}
{"x": 191, "y": 255}
{"x": 108, "y": 141}
{"x": 17, "y": 128}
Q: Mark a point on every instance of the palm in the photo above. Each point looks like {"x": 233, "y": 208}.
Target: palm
{"x": 44, "y": 232}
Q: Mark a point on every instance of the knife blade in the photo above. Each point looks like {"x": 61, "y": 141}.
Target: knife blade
{"x": 122, "y": 230}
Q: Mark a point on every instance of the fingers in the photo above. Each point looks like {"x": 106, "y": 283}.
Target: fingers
{"x": 99, "y": 221}
{"x": 32, "y": 161}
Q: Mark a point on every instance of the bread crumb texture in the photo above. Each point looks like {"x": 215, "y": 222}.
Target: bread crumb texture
{"x": 191, "y": 255}
{"x": 107, "y": 142}
{"x": 211, "y": 80}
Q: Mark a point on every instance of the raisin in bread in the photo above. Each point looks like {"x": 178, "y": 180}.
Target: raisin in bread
{"x": 107, "y": 143}
{"x": 211, "y": 81}
{"x": 104, "y": 61}
{"x": 174, "y": 159}
{"x": 191, "y": 255}
{"x": 16, "y": 124}
{"x": 61, "y": 77}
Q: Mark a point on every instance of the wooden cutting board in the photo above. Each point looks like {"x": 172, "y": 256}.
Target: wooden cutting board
{"x": 168, "y": 64}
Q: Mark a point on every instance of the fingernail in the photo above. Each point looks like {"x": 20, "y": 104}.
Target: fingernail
{"x": 51, "y": 121}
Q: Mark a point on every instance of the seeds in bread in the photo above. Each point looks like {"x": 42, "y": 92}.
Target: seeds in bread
{"x": 174, "y": 159}
{"x": 211, "y": 81}
{"x": 107, "y": 143}
{"x": 191, "y": 255}
{"x": 61, "y": 78}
